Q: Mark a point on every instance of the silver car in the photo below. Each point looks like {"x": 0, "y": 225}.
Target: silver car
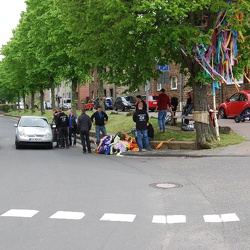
{"x": 33, "y": 131}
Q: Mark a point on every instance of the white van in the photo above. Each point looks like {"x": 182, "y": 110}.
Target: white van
{"x": 65, "y": 103}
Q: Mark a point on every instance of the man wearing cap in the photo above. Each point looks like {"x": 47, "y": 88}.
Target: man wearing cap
{"x": 162, "y": 106}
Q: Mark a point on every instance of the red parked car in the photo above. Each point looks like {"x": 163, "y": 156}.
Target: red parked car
{"x": 89, "y": 105}
{"x": 152, "y": 101}
{"x": 235, "y": 104}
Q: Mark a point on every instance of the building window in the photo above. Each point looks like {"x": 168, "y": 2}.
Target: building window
{"x": 174, "y": 82}
{"x": 163, "y": 79}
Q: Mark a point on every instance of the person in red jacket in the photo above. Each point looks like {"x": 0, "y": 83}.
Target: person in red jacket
{"x": 162, "y": 106}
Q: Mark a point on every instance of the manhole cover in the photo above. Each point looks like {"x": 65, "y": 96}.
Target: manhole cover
{"x": 165, "y": 185}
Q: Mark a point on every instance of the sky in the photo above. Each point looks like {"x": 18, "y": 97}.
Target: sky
{"x": 10, "y": 11}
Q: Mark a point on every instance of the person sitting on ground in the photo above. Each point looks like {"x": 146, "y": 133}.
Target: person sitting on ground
{"x": 189, "y": 105}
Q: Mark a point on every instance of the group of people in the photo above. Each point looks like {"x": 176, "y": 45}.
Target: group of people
{"x": 67, "y": 126}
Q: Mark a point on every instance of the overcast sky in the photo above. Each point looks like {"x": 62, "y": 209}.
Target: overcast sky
{"x": 10, "y": 11}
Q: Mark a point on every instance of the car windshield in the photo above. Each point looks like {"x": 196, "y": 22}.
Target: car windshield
{"x": 130, "y": 98}
{"x": 33, "y": 122}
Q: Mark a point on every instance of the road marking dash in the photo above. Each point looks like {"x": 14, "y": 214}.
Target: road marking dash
{"x": 67, "y": 215}
{"x": 229, "y": 217}
{"x": 172, "y": 219}
{"x": 160, "y": 219}
{"x": 20, "y": 213}
{"x": 118, "y": 217}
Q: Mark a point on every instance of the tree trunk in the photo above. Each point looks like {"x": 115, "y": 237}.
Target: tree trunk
{"x": 32, "y": 102}
{"x": 41, "y": 101}
{"x": 205, "y": 132}
{"x": 52, "y": 87}
{"x": 100, "y": 91}
{"x": 74, "y": 99}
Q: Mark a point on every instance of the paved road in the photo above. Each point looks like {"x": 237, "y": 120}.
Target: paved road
{"x": 62, "y": 199}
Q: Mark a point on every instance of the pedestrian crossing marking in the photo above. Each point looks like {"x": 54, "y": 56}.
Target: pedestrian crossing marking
{"x": 231, "y": 217}
{"x": 67, "y": 215}
{"x": 169, "y": 219}
{"x": 113, "y": 217}
{"x": 20, "y": 213}
{"x": 118, "y": 217}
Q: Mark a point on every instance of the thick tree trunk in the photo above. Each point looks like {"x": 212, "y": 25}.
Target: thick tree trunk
{"x": 205, "y": 132}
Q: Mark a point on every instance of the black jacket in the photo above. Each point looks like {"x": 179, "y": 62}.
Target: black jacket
{"x": 84, "y": 122}
{"x": 99, "y": 120}
{"x": 141, "y": 118}
{"x": 62, "y": 120}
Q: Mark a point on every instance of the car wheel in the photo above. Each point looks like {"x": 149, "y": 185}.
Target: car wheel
{"x": 123, "y": 108}
{"x": 222, "y": 113}
{"x": 237, "y": 119}
{"x": 17, "y": 145}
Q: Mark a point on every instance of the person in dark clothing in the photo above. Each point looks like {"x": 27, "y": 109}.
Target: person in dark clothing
{"x": 99, "y": 119}
{"x": 84, "y": 124}
{"x": 189, "y": 105}
{"x": 72, "y": 127}
{"x": 62, "y": 126}
{"x": 141, "y": 118}
{"x": 55, "y": 131}
{"x": 150, "y": 132}
{"x": 174, "y": 104}
{"x": 139, "y": 100}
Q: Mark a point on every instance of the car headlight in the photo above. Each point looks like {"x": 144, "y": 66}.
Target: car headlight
{"x": 21, "y": 132}
{"x": 48, "y": 134}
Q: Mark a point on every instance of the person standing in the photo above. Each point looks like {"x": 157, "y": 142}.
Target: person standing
{"x": 99, "y": 119}
{"x": 84, "y": 124}
{"x": 139, "y": 100}
{"x": 72, "y": 127}
{"x": 54, "y": 122}
{"x": 62, "y": 126}
{"x": 162, "y": 106}
{"x": 141, "y": 118}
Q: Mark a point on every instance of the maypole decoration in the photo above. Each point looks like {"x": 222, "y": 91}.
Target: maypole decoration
{"x": 221, "y": 56}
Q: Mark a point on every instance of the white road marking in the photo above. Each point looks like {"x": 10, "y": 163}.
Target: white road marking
{"x": 229, "y": 217}
{"x": 172, "y": 219}
{"x": 20, "y": 213}
{"x": 67, "y": 215}
{"x": 160, "y": 219}
{"x": 118, "y": 217}
{"x": 221, "y": 218}
{"x": 212, "y": 218}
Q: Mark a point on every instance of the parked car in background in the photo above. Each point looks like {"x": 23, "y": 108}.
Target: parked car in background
{"x": 65, "y": 103}
{"x": 89, "y": 105}
{"x": 108, "y": 103}
{"x": 124, "y": 103}
{"x": 235, "y": 104}
{"x": 152, "y": 101}
{"x": 33, "y": 131}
